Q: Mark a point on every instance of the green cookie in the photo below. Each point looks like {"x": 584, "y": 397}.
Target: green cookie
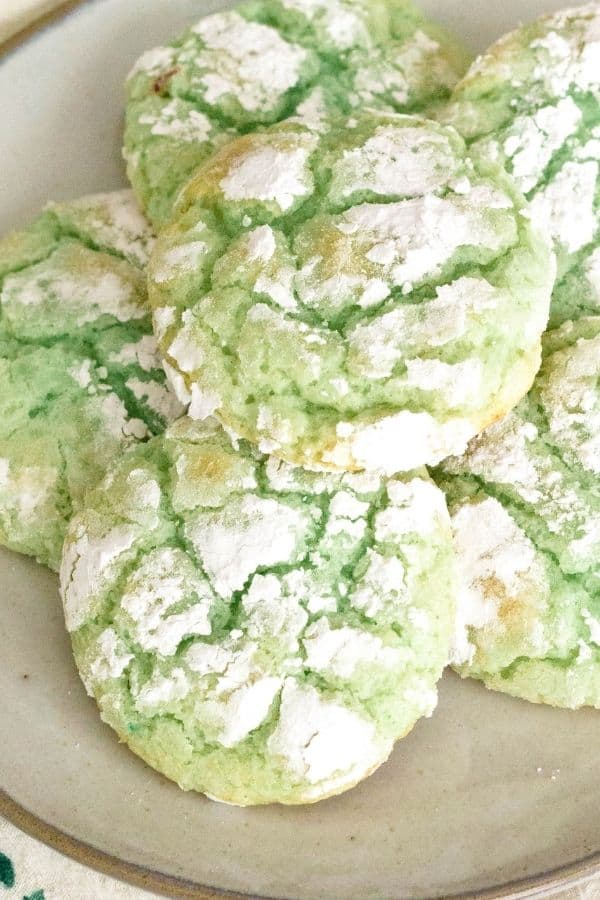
{"x": 79, "y": 376}
{"x": 532, "y": 103}
{"x": 525, "y": 503}
{"x": 370, "y": 298}
{"x": 255, "y": 631}
{"x": 262, "y": 62}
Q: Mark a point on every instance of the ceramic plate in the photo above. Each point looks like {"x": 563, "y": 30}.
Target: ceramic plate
{"x": 490, "y": 795}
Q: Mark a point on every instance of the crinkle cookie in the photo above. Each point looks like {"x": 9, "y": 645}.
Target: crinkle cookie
{"x": 532, "y": 103}
{"x": 255, "y": 631}
{"x": 366, "y": 299}
{"x": 79, "y": 376}
{"x": 262, "y": 62}
{"x": 525, "y": 503}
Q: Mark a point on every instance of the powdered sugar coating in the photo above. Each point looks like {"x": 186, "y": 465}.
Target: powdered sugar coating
{"x": 373, "y": 301}
{"x": 113, "y": 221}
{"x": 178, "y": 121}
{"x": 411, "y": 158}
{"x": 343, "y": 24}
{"x": 206, "y": 584}
{"x": 80, "y": 377}
{"x": 289, "y": 177}
{"x": 392, "y": 77}
{"x": 266, "y": 61}
{"x": 245, "y": 60}
{"x": 526, "y": 514}
{"x": 531, "y": 102}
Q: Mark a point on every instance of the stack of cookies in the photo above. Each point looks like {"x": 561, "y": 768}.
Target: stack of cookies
{"x": 350, "y": 261}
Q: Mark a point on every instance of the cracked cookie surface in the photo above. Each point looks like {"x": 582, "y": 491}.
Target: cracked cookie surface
{"x": 365, "y": 299}
{"x": 525, "y": 505}
{"x": 236, "y": 71}
{"x": 255, "y": 631}
{"x": 80, "y": 379}
{"x": 532, "y": 103}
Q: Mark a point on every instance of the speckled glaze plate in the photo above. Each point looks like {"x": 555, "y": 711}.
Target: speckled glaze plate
{"x": 492, "y": 796}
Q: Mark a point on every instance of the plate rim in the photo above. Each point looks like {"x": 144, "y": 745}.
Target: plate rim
{"x": 566, "y": 876}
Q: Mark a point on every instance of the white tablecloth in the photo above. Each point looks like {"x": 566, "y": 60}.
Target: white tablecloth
{"x": 31, "y": 871}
